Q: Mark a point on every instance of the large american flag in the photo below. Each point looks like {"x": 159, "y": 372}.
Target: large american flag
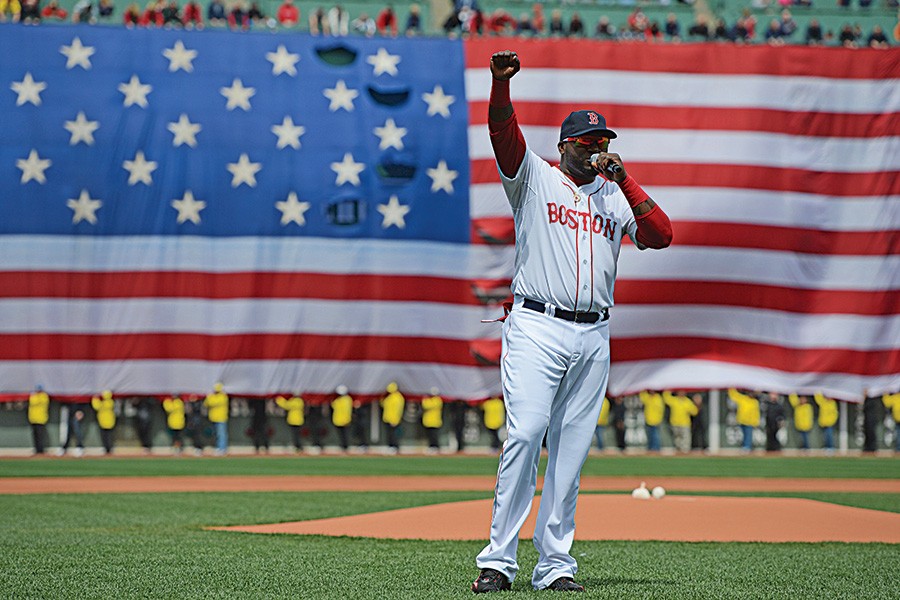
{"x": 292, "y": 213}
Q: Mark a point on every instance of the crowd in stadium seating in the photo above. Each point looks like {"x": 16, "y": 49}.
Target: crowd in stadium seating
{"x": 466, "y": 19}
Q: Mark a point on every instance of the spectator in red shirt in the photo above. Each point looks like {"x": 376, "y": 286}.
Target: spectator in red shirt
{"x": 748, "y": 22}
{"x": 192, "y": 16}
{"x": 288, "y": 14}
{"x": 637, "y": 21}
{"x": 152, "y": 16}
{"x": 132, "y": 15}
{"x": 53, "y": 11}
{"x": 386, "y": 22}
{"x": 238, "y": 17}
{"x": 537, "y": 18}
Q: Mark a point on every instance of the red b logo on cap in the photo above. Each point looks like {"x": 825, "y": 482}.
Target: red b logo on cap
{"x": 592, "y": 118}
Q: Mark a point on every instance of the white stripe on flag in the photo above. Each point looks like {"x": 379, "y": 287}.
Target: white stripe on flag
{"x": 752, "y": 207}
{"x": 858, "y": 155}
{"x": 633, "y": 377}
{"x": 580, "y": 87}
{"x": 225, "y": 317}
{"x": 258, "y": 377}
{"x": 244, "y": 254}
{"x": 790, "y": 330}
{"x": 770, "y": 267}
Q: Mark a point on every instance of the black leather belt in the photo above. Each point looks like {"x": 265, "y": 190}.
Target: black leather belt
{"x": 568, "y": 315}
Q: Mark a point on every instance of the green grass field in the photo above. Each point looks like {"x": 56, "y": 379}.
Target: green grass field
{"x": 154, "y": 545}
{"x": 374, "y": 465}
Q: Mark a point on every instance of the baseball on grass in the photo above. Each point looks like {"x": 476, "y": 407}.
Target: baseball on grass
{"x": 658, "y": 492}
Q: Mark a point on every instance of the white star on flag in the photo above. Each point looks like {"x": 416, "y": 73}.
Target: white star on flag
{"x": 238, "y": 95}
{"x": 180, "y": 57}
{"x": 81, "y": 129}
{"x": 292, "y": 210}
{"x": 390, "y": 135}
{"x": 28, "y": 90}
{"x": 184, "y": 131}
{"x": 442, "y": 177}
{"x": 438, "y": 102}
{"x": 384, "y": 62}
{"x": 135, "y": 92}
{"x": 188, "y": 208}
{"x": 288, "y": 133}
{"x": 244, "y": 171}
{"x": 33, "y": 167}
{"x": 340, "y": 96}
{"x": 347, "y": 170}
{"x": 139, "y": 169}
{"x": 84, "y": 208}
{"x": 393, "y": 213}
{"x": 283, "y": 61}
{"x": 77, "y": 55}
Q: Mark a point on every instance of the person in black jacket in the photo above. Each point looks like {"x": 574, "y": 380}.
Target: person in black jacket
{"x": 871, "y": 416}
{"x": 774, "y": 421}
{"x": 617, "y": 418}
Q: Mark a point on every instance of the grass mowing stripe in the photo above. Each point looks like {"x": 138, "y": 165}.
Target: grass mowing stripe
{"x": 151, "y": 546}
{"x": 638, "y": 466}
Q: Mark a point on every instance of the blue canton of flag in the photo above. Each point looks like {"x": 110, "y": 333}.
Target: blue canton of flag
{"x": 118, "y": 132}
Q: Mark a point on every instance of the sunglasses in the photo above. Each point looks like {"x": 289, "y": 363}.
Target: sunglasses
{"x": 592, "y": 143}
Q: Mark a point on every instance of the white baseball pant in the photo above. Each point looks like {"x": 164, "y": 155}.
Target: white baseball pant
{"x": 554, "y": 375}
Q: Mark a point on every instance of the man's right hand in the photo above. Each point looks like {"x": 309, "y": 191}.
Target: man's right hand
{"x": 504, "y": 65}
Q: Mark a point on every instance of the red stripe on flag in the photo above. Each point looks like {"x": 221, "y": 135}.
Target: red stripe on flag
{"x": 724, "y": 59}
{"x": 753, "y": 295}
{"x": 790, "y": 239}
{"x": 189, "y": 284}
{"x": 629, "y": 116}
{"x": 780, "y": 358}
{"x": 739, "y": 235}
{"x": 219, "y": 348}
{"x": 882, "y": 183}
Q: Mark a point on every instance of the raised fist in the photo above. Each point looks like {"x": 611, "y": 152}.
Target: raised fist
{"x": 504, "y": 65}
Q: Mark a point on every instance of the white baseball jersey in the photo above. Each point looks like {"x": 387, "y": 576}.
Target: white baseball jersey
{"x": 567, "y": 237}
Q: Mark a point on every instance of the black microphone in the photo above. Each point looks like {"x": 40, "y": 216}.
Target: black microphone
{"x": 612, "y": 168}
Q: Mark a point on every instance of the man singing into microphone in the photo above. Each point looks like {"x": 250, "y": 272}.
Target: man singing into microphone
{"x": 569, "y": 221}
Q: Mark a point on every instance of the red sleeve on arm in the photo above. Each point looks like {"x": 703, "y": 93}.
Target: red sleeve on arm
{"x": 654, "y": 229}
{"x": 506, "y": 137}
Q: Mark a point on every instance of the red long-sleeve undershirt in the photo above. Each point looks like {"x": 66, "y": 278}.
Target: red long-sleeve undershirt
{"x": 654, "y": 229}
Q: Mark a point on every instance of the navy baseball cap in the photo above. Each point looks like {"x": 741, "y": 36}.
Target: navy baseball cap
{"x": 581, "y": 122}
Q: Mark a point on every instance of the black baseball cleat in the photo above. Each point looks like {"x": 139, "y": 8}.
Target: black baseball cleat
{"x": 490, "y": 580}
{"x": 565, "y": 584}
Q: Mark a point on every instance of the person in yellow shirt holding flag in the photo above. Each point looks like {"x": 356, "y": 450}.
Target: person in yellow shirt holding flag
{"x": 175, "y": 420}
{"x": 828, "y": 417}
{"x": 494, "y": 418}
{"x": 38, "y": 415}
{"x": 105, "y": 408}
{"x": 433, "y": 419}
{"x": 803, "y": 417}
{"x": 602, "y": 423}
{"x": 681, "y": 409}
{"x": 747, "y": 416}
{"x": 342, "y": 415}
{"x": 892, "y": 403}
{"x": 392, "y": 407}
{"x": 654, "y": 409}
{"x": 216, "y": 405}
{"x": 293, "y": 415}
